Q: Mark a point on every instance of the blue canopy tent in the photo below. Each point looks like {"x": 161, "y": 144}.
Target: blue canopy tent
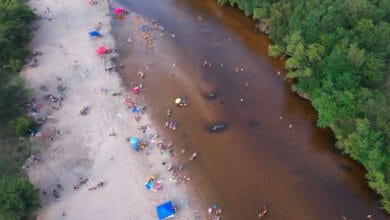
{"x": 134, "y": 143}
{"x": 165, "y": 210}
{"x": 95, "y": 34}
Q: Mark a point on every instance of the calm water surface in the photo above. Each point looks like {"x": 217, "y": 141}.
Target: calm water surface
{"x": 258, "y": 160}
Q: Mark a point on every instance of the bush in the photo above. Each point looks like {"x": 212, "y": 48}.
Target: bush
{"x": 338, "y": 53}
{"x": 21, "y": 125}
{"x": 18, "y": 198}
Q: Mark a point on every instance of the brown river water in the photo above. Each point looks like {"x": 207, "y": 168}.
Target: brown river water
{"x": 257, "y": 161}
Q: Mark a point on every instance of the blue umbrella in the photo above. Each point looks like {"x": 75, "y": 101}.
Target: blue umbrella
{"x": 134, "y": 109}
{"x": 94, "y": 34}
{"x": 134, "y": 143}
{"x": 144, "y": 27}
{"x": 165, "y": 210}
{"x": 149, "y": 185}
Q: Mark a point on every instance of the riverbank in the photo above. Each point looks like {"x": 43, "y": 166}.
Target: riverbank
{"x": 78, "y": 152}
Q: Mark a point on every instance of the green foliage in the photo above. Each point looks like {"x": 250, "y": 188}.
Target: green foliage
{"x": 339, "y": 53}
{"x": 276, "y": 50}
{"x": 18, "y": 198}
{"x": 21, "y": 125}
{"x": 12, "y": 96}
{"x": 14, "y": 36}
{"x": 259, "y": 13}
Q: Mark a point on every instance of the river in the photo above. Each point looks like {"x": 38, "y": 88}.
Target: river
{"x": 258, "y": 160}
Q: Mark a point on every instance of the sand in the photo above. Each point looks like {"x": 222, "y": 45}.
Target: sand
{"x": 83, "y": 147}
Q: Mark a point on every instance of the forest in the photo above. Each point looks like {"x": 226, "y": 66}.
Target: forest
{"x": 337, "y": 53}
{"x": 18, "y": 197}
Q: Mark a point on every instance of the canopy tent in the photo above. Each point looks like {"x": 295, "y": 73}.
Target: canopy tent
{"x": 165, "y": 210}
{"x": 101, "y": 50}
{"x": 95, "y": 34}
{"x": 119, "y": 11}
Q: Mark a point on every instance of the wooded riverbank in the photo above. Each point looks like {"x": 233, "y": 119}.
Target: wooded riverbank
{"x": 338, "y": 52}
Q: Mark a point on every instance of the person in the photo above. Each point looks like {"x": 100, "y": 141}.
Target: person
{"x": 193, "y": 156}
{"x": 60, "y": 187}
{"x": 263, "y": 212}
{"x": 113, "y": 134}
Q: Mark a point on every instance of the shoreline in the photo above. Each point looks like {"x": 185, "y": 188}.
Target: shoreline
{"x": 74, "y": 146}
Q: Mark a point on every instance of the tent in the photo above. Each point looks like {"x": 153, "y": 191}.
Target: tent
{"x": 165, "y": 210}
{"x": 101, "y": 50}
{"x": 119, "y": 11}
{"x": 94, "y": 34}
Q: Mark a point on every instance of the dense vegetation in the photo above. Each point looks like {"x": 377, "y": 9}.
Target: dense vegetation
{"x": 18, "y": 198}
{"x": 338, "y": 53}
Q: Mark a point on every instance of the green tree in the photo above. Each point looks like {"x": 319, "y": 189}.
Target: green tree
{"x": 338, "y": 52}
{"x": 18, "y": 198}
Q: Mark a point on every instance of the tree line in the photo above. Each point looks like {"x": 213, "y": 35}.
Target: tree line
{"x": 18, "y": 197}
{"x": 337, "y": 52}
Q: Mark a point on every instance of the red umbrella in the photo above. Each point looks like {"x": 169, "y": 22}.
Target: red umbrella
{"x": 136, "y": 89}
{"x": 119, "y": 11}
{"x": 101, "y": 50}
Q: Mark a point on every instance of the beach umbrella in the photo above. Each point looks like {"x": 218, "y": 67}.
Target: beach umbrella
{"x": 149, "y": 185}
{"x": 119, "y": 11}
{"x": 144, "y": 27}
{"x": 165, "y": 210}
{"x": 136, "y": 90}
{"x": 134, "y": 109}
{"x": 101, "y": 50}
{"x": 94, "y": 34}
{"x": 134, "y": 143}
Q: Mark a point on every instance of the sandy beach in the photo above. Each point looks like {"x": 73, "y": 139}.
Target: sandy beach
{"x": 72, "y": 146}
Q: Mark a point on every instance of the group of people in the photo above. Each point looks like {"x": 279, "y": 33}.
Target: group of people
{"x": 98, "y": 185}
{"x": 81, "y": 182}
{"x": 56, "y": 191}
{"x": 172, "y": 125}
{"x": 214, "y": 210}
